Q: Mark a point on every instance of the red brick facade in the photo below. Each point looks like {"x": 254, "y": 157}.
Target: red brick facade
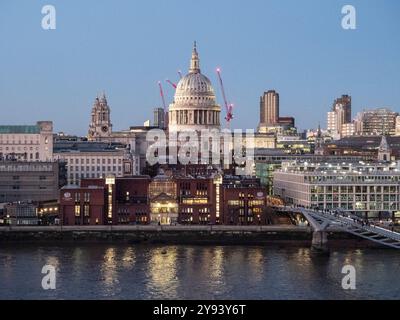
{"x": 198, "y": 201}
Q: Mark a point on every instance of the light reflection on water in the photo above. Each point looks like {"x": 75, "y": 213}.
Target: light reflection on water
{"x": 162, "y": 273}
{"x": 119, "y": 271}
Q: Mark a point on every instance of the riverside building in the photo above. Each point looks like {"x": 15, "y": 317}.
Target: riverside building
{"x": 165, "y": 200}
{"x": 368, "y": 188}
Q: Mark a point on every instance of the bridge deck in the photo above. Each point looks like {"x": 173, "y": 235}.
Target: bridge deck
{"x": 350, "y": 223}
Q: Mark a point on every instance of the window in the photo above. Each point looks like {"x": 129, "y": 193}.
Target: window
{"x": 86, "y": 210}
{"x": 77, "y": 211}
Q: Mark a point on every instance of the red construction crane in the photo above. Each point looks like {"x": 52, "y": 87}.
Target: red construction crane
{"x": 162, "y": 96}
{"x": 228, "y": 107}
{"x": 171, "y": 83}
{"x": 164, "y": 105}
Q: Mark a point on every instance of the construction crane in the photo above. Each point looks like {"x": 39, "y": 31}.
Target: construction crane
{"x": 164, "y": 104}
{"x": 228, "y": 107}
{"x": 171, "y": 83}
{"x": 162, "y": 96}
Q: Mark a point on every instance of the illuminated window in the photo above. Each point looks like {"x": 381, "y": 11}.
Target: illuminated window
{"x": 77, "y": 211}
{"x": 233, "y": 202}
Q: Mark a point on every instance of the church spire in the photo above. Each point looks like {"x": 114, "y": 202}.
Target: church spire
{"x": 195, "y": 61}
{"x": 384, "y": 146}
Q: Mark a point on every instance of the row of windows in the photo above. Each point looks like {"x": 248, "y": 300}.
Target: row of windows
{"x": 86, "y": 197}
{"x": 358, "y": 206}
{"x": 94, "y": 161}
{"x": 360, "y": 197}
{"x": 17, "y": 187}
{"x": 354, "y": 189}
{"x": 241, "y": 203}
{"x": 351, "y": 178}
{"x": 86, "y": 210}
{"x": 126, "y": 211}
{"x": 126, "y": 220}
{"x": 25, "y": 155}
{"x": 18, "y": 148}
{"x": 98, "y": 168}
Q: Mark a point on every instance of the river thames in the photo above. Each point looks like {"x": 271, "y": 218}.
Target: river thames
{"x": 121, "y": 271}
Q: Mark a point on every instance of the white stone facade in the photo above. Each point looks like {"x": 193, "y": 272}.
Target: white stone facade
{"x": 356, "y": 187}
{"x": 27, "y": 142}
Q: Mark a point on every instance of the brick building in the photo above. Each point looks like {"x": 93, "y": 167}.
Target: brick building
{"x": 165, "y": 199}
{"x": 244, "y": 201}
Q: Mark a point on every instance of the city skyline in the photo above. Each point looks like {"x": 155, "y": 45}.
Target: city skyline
{"x": 66, "y": 68}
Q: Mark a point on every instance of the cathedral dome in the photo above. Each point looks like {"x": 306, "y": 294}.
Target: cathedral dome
{"x": 194, "y": 88}
{"x": 195, "y": 105}
{"x": 194, "y": 85}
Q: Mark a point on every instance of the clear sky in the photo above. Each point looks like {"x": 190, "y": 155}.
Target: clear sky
{"x": 124, "y": 47}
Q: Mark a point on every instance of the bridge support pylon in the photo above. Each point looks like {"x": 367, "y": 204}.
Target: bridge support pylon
{"x": 320, "y": 241}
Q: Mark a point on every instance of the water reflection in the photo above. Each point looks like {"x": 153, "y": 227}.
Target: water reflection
{"x": 193, "y": 272}
{"x": 162, "y": 272}
{"x": 255, "y": 261}
{"x": 215, "y": 260}
{"x": 109, "y": 272}
{"x": 129, "y": 258}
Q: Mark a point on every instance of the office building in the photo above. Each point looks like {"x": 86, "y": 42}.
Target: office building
{"x": 269, "y": 108}
{"x": 95, "y": 160}
{"x": 31, "y": 181}
{"x": 365, "y": 188}
{"x": 381, "y": 121}
{"x": 27, "y": 142}
{"x": 159, "y": 118}
{"x": 339, "y": 118}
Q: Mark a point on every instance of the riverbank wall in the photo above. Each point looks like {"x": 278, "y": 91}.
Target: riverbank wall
{"x": 185, "y": 235}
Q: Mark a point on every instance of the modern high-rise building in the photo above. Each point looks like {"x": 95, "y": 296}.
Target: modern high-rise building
{"x": 270, "y": 121}
{"x": 339, "y": 116}
{"x": 345, "y": 102}
{"x": 381, "y": 121}
{"x": 269, "y": 108}
{"x": 159, "y": 118}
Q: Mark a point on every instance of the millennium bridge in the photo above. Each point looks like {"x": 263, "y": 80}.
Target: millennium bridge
{"x": 320, "y": 220}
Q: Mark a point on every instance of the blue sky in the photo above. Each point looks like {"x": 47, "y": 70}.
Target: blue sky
{"x": 125, "y": 47}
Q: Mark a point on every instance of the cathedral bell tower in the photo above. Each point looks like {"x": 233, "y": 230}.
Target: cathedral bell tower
{"x": 100, "y": 125}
